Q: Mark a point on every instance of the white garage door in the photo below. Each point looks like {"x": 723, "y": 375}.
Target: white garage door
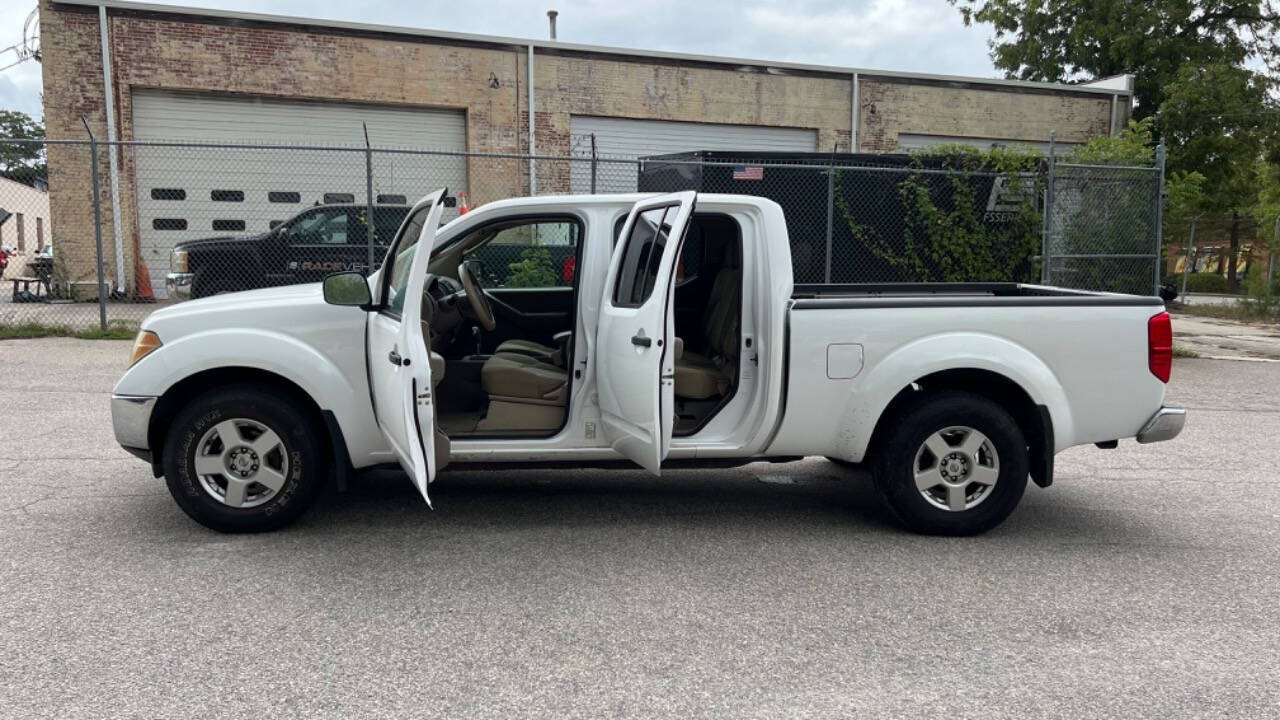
{"x": 188, "y": 193}
{"x": 622, "y": 137}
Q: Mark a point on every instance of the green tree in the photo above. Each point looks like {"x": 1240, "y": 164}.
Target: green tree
{"x": 533, "y": 270}
{"x": 1067, "y": 40}
{"x": 1217, "y": 121}
{"x": 23, "y": 162}
{"x": 1134, "y": 145}
{"x": 1191, "y": 61}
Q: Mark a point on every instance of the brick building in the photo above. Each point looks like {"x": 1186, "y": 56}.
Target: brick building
{"x": 211, "y": 76}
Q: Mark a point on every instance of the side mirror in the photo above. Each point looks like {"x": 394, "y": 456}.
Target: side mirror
{"x": 347, "y": 288}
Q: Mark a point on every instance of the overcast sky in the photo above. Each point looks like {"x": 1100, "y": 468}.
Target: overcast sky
{"x": 912, "y": 35}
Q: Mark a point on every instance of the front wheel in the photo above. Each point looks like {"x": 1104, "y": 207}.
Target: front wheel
{"x": 244, "y": 459}
{"x": 955, "y": 464}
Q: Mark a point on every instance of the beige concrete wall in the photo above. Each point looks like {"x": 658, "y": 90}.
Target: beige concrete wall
{"x": 889, "y": 106}
{"x": 28, "y": 227}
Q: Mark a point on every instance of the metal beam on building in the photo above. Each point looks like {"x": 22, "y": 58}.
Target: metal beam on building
{"x": 533, "y": 148}
{"x": 112, "y": 149}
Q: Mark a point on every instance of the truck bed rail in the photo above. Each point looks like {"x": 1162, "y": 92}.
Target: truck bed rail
{"x": 887, "y": 295}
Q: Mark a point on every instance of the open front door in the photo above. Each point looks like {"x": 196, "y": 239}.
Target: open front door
{"x": 635, "y": 363}
{"x": 399, "y": 361}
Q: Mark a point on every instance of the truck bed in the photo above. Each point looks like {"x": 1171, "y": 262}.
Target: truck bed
{"x": 883, "y": 295}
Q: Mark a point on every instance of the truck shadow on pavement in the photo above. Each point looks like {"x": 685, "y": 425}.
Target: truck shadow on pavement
{"x": 518, "y": 499}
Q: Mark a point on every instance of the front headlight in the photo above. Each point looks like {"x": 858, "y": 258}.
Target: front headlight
{"x": 178, "y": 261}
{"x": 143, "y": 345}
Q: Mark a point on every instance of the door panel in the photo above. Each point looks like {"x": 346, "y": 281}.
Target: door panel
{"x": 635, "y": 369}
{"x": 399, "y": 361}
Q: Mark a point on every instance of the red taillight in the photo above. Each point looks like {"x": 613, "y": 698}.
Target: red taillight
{"x": 1160, "y": 346}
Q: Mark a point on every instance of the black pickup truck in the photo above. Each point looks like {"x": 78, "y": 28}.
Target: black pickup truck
{"x": 305, "y": 248}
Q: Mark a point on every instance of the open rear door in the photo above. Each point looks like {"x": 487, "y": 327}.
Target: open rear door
{"x": 399, "y": 361}
{"x": 635, "y": 364}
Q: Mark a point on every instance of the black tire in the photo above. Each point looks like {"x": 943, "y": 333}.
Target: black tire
{"x": 895, "y": 463}
{"x": 279, "y": 411}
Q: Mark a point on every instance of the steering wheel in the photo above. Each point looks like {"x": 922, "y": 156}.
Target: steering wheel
{"x": 481, "y": 310}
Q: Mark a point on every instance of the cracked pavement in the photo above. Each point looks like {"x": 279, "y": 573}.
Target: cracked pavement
{"x": 1143, "y": 583}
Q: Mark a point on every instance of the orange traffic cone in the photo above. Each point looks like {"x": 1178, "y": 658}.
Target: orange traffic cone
{"x": 142, "y": 284}
{"x": 462, "y": 204}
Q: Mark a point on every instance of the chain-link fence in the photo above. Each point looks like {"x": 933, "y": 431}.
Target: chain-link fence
{"x": 1206, "y": 252}
{"x": 97, "y": 233}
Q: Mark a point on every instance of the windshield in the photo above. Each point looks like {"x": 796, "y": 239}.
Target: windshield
{"x": 400, "y": 264}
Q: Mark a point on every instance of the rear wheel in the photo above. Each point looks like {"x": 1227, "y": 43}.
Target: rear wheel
{"x": 244, "y": 459}
{"x": 955, "y": 463}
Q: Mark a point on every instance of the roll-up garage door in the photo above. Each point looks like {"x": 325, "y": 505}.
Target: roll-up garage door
{"x": 187, "y": 193}
{"x": 627, "y": 138}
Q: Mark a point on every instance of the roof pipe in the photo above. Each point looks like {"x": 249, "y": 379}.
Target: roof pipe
{"x": 853, "y": 117}
{"x": 112, "y": 148}
{"x": 551, "y": 15}
{"x": 533, "y": 148}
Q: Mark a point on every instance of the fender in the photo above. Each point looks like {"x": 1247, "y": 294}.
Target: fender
{"x": 285, "y": 355}
{"x": 875, "y": 389}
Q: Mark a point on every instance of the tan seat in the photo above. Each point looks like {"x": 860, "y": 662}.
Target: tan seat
{"x": 549, "y": 354}
{"x": 521, "y": 376}
{"x": 524, "y": 394}
{"x": 537, "y": 351}
{"x": 700, "y": 376}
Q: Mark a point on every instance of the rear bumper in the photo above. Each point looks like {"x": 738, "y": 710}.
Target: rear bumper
{"x": 1164, "y": 425}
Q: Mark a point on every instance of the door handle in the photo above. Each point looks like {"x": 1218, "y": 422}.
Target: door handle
{"x": 641, "y": 340}
{"x": 395, "y": 358}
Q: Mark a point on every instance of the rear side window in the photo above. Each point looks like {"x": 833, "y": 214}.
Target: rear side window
{"x": 638, "y": 271}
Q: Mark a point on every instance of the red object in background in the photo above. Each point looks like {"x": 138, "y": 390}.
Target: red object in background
{"x": 4, "y": 260}
{"x": 462, "y": 204}
{"x": 570, "y": 268}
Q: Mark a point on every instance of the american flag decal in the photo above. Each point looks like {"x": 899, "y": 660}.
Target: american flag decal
{"x": 748, "y": 172}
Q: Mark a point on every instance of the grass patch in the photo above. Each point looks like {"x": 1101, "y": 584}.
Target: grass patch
{"x": 1244, "y": 312}
{"x": 116, "y": 330}
{"x": 1181, "y": 352}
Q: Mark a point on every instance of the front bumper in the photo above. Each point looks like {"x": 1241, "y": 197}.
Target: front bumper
{"x": 1164, "y": 425}
{"x": 131, "y": 418}
{"x": 178, "y": 285}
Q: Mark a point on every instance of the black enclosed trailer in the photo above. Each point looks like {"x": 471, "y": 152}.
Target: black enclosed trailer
{"x": 865, "y": 218}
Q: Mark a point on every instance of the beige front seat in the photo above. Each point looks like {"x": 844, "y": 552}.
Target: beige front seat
{"x": 524, "y": 394}
{"x": 701, "y": 376}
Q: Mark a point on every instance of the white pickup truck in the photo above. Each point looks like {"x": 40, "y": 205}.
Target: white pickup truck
{"x": 657, "y": 330}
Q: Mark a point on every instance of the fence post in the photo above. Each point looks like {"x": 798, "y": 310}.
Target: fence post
{"x": 831, "y": 198}
{"x": 368, "y": 194}
{"x": 593, "y": 163}
{"x": 1186, "y": 265}
{"x": 1159, "y": 234}
{"x": 97, "y": 227}
{"x": 1271, "y": 256}
{"x": 1048, "y": 212}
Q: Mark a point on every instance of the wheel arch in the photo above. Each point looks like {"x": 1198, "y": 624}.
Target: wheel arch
{"x": 181, "y": 393}
{"x": 1033, "y": 418}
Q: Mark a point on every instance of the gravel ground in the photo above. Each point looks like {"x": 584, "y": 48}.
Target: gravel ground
{"x": 1144, "y": 583}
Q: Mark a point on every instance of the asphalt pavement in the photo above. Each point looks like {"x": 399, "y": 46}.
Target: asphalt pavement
{"x": 1144, "y": 583}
